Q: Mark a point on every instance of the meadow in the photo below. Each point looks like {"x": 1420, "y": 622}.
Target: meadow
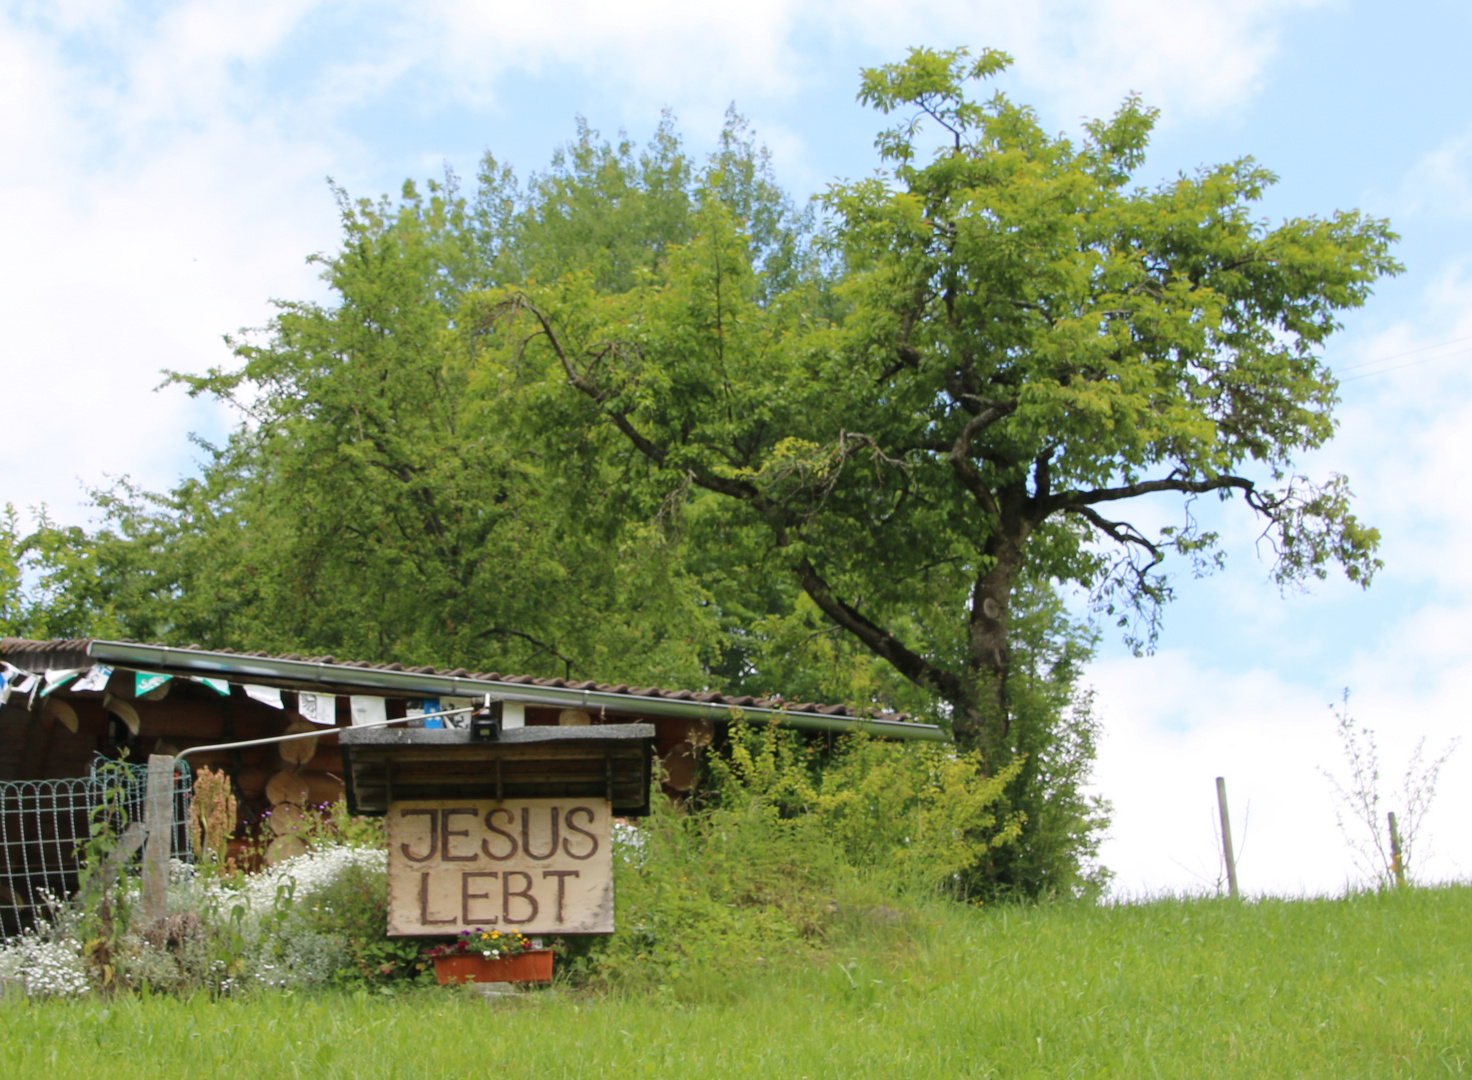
{"x": 1371, "y": 985}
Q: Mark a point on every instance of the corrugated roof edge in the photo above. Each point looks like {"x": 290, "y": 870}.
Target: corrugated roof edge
{"x": 427, "y": 681}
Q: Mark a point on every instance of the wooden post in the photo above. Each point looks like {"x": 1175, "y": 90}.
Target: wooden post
{"x": 158, "y": 819}
{"x": 1397, "y": 865}
{"x": 1221, "y": 801}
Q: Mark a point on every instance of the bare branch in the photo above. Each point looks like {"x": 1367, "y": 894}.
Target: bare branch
{"x": 1071, "y": 500}
{"x": 1122, "y": 532}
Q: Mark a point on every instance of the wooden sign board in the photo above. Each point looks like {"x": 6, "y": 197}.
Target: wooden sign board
{"x": 537, "y": 866}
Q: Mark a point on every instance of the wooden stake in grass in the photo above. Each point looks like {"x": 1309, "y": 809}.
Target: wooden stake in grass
{"x": 1221, "y": 801}
{"x": 1397, "y": 865}
{"x": 158, "y": 819}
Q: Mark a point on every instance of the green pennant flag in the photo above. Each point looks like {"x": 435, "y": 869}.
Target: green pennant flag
{"x": 144, "y": 681}
{"x": 219, "y": 686}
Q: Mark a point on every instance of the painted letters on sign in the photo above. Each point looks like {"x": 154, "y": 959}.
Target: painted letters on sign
{"x": 538, "y": 866}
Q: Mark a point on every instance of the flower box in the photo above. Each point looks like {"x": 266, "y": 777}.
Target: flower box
{"x": 532, "y": 966}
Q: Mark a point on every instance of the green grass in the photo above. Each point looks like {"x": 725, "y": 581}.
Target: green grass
{"x": 1371, "y": 986}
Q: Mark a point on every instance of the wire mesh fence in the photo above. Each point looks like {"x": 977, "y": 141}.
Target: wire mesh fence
{"x": 44, "y": 823}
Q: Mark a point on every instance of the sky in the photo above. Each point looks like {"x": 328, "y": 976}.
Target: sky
{"x": 165, "y": 168}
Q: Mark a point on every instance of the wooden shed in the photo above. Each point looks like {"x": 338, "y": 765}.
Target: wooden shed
{"x": 64, "y": 703}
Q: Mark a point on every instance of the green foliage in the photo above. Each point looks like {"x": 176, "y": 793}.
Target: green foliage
{"x": 333, "y": 824}
{"x": 785, "y": 837}
{"x": 706, "y": 894}
{"x": 354, "y": 909}
{"x": 1013, "y": 336}
{"x": 57, "y": 581}
{"x": 105, "y": 908}
{"x": 383, "y": 498}
{"x": 369, "y": 508}
{"x": 917, "y": 816}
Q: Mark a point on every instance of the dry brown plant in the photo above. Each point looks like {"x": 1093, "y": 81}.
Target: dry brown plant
{"x": 212, "y": 815}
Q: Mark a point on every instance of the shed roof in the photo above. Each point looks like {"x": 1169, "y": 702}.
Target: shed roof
{"x": 328, "y": 674}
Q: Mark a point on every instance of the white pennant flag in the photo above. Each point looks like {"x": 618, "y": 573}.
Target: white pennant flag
{"x": 17, "y": 682}
{"x": 8, "y": 676}
{"x": 369, "y": 710}
{"x": 95, "y": 678}
{"x": 56, "y": 677}
{"x": 318, "y": 708}
{"x": 266, "y": 695}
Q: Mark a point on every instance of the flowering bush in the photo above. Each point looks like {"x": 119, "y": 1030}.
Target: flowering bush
{"x": 279, "y": 924}
{"x": 308, "y": 921}
{"x": 296, "y": 879}
{"x": 48, "y": 960}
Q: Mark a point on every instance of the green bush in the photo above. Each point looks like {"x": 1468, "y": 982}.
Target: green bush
{"x": 354, "y": 910}
{"x": 785, "y": 842}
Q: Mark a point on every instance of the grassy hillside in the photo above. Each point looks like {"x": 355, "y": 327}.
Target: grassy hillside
{"x": 1372, "y": 986}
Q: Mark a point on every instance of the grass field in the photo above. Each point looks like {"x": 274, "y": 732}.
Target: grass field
{"x": 1372, "y": 986}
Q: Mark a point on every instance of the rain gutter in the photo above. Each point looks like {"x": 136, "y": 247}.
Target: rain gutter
{"x": 408, "y": 684}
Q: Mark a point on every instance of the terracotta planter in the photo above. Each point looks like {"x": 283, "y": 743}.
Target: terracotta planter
{"x": 532, "y": 966}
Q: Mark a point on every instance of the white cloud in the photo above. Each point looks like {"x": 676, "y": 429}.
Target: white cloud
{"x": 1176, "y": 721}
{"x": 1195, "y": 57}
{"x": 1190, "y": 57}
{"x": 1440, "y": 183}
{"x": 148, "y": 209}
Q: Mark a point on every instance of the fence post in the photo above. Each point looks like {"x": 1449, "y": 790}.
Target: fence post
{"x": 158, "y": 819}
{"x": 1221, "y": 802}
{"x": 1397, "y": 864}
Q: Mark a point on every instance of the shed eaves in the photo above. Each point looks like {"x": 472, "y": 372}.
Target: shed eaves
{"x": 66, "y": 653}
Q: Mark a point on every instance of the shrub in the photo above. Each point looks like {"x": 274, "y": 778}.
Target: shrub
{"x": 353, "y": 910}
{"x": 755, "y": 870}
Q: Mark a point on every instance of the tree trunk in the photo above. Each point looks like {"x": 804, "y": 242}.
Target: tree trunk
{"x": 982, "y": 722}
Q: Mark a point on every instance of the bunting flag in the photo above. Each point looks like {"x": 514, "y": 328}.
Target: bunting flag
{"x": 453, "y": 704}
{"x": 368, "y": 710}
{"x": 429, "y": 709}
{"x": 8, "y": 677}
{"x": 95, "y": 678}
{"x": 56, "y": 678}
{"x": 18, "y": 682}
{"x": 266, "y": 695}
{"x": 146, "y": 682}
{"x": 219, "y": 686}
{"x": 318, "y": 708}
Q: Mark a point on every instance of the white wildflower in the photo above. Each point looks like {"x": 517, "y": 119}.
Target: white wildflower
{"x": 46, "y": 967}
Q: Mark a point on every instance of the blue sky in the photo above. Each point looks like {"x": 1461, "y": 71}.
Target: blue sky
{"x": 164, "y": 171}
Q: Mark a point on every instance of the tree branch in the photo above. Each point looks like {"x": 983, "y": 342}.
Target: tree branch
{"x": 1072, "y": 500}
{"x": 736, "y": 489}
{"x": 542, "y": 646}
{"x": 960, "y": 454}
{"x": 879, "y": 641}
{"x": 1121, "y": 532}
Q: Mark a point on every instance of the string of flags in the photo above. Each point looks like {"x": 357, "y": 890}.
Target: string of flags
{"x": 154, "y": 686}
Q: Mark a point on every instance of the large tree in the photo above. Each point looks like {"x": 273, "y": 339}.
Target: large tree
{"x": 1023, "y": 342}
{"x": 379, "y": 498}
